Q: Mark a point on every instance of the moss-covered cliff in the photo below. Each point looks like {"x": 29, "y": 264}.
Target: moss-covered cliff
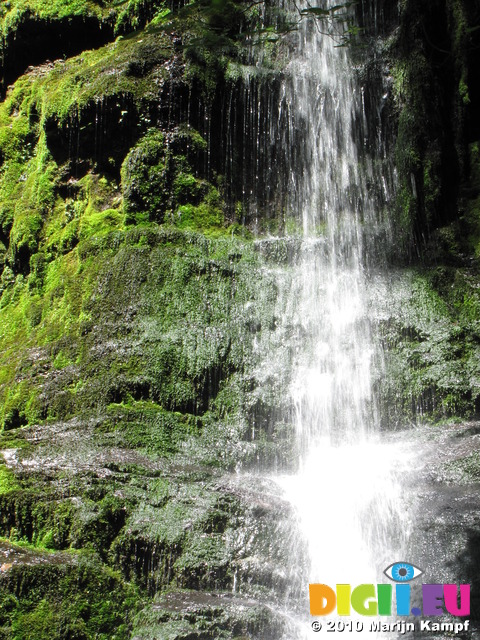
{"x": 130, "y": 309}
{"x": 430, "y": 55}
{"x": 133, "y": 329}
{"x": 434, "y": 77}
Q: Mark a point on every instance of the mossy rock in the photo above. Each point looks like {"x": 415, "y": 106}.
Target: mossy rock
{"x": 182, "y": 615}
{"x": 157, "y": 174}
{"x": 54, "y": 596}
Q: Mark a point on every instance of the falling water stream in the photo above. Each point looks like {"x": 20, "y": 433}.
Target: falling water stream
{"x": 345, "y": 494}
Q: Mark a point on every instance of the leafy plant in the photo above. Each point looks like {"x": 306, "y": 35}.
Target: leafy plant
{"x": 336, "y": 22}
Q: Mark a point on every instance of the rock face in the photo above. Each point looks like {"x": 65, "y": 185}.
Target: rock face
{"x": 142, "y": 361}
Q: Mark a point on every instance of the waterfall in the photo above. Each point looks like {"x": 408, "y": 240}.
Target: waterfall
{"x": 344, "y": 491}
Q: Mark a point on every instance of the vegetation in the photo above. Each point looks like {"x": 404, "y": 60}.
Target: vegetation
{"x": 64, "y": 596}
{"x": 434, "y": 56}
{"x": 122, "y": 269}
{"x": 125, "y": 15}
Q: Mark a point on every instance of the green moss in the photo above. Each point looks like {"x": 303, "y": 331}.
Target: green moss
{"x": 148, "y": 427}
{"x": 127, "y": 359}
{"x": 463, "y": 91}
{"x": 21, "y": 406}
{"x": 17, "y": 9}
{"x": 80, "y": 599}
{"x": 61, "y": 360}
{"x": 127, "y": 67}
{"x": 465, "y": 469}
{"x": 433, "y": 347}
{"x": 432, "y": 100}
{"x": 7, "y": 481}
{"x": 89, "y": 213}
{"x": 204, "y": 564}
{"x": 144, "y": 177}
{"x": 158, "y": 180}
{"x": 125, "y": 15}
{"x": 26, "y": 196}
{"x": 431, "y": 181}
{"x": 187, "y": 188}
{"x": 468, "y": 232}
{"x": 410, "y": 76}
{"x": 206, "y": 217}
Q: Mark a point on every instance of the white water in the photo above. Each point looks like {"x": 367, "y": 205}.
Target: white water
{"x": 345, "y": 493}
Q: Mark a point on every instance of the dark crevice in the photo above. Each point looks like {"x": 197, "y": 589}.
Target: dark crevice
{"x": 36, "y": 41}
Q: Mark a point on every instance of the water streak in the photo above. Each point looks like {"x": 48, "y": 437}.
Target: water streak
{"x": 345, "y": 493}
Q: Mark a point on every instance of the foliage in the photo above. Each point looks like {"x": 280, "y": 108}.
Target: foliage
{"x": 336, "y": 22}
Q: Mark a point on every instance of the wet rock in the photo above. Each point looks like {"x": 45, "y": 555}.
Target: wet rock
{"x": 187, "y": 615}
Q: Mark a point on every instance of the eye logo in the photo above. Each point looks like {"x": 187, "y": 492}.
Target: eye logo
{"x": 402, "y": 572}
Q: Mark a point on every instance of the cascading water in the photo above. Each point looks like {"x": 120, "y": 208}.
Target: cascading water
{"x": 346, "y": 497}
